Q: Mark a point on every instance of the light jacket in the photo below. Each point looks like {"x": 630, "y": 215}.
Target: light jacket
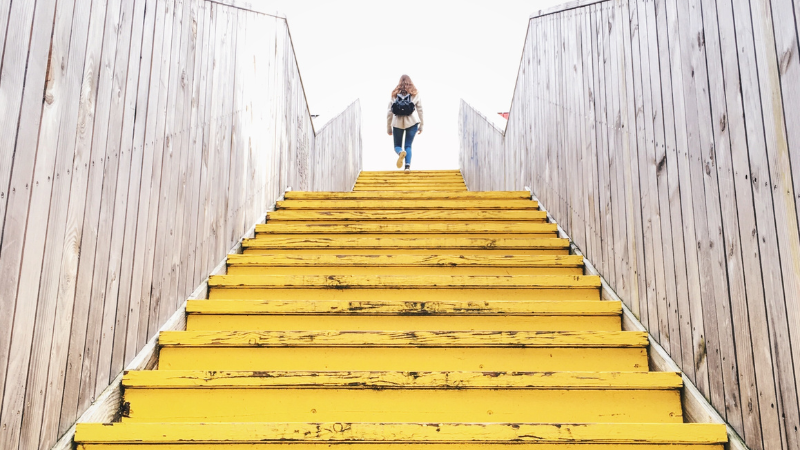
{"x": 404, "y": 122}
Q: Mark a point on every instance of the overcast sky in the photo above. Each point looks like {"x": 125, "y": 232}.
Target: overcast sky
{"x": 357, "y": 49}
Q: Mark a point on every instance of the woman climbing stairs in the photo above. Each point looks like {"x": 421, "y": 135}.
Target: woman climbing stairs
{"x": 409, "y": 313}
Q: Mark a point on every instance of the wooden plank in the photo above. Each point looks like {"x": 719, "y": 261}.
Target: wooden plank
{"x": 12, "y": 77}
{"x": 59, "y": 128}
{"x": 783, "y": 312}
{"x": 642, "y": 231}
{"x": 744, "y": 360}
{"x": 85, "y": 165}
{"x": 98, "y": 218}
{"x": 460, "y": 434}
{"x": 204, "y": 108}
{"x": 117, "y": 290}
{"x": 161, "y": 299}
{"x": 27, "y": 207}
{"x": 635, "y": 244}
{"x": 764, "y": 210}
{"x": 788, "y": 191}
{"x": 48, "y": 133}
{"x": 148, "y": 310}
{"x": 138, "y": 190}
{"x": 195, "y": 151}
{"x": 754, "y": 313}
{"x": 716, "y": 306}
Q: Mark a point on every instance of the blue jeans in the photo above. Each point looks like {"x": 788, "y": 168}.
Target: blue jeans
{"x": 397, "y": 133}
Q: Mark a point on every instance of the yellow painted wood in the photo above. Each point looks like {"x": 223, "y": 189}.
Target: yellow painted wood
{"x": 391, "y": 446}
{"x": 430, "y": 187}
{"x": 471, "y": 195}
{"x": 480, "y": 381}
{"x": 404, "y": 264}
{"x": 274, "y": 322}
{"x": 417, "y": 229}
{"x": 302, "y": 404}
{"x": 395, "y": 270}
{"x": 485, "y": 308}
{"x": 391, "y": 287}
{"x": 231, "y": 315}
{"x": 426, "y": 173}
{"x": 401, "y": 294}
{"x": 395, "y": 243}
{"x": 409, "y": 204}
{"x": 409, "y": 181}
{"x": 409, "y": 216}
{"x": 444, "y": 433}
{"x": 410, "y": 314}
{"x": 388, "y": 339}
{"x": 407, "y": 358}
{"x": 518, "y": 261}
{"x": 402, "y": 251}
{"x": 427, "y": 281}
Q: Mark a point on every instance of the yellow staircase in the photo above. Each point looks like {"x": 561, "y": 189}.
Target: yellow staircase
{"x": 410, "y": 313}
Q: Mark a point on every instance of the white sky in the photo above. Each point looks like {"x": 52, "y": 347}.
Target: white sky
{"x": 349, "y": 49}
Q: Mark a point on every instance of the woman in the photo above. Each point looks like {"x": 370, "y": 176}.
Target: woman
{"x": 408, "y": 125}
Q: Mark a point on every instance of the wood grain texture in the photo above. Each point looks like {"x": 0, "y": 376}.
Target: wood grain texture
{"x": 672, "y": 159}
{"x": 151, "y": 145}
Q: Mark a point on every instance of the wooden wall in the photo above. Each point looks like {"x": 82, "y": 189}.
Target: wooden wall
{"x": 664, "y": 136}
{"x": 140, "y": 140}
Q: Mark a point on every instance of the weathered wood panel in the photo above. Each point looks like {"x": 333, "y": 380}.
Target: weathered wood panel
{"x": 662, "y": 135}
{"x": 166, "y": 129}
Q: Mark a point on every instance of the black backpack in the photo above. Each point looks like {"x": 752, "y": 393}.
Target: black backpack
{"x": 402, "y": 105}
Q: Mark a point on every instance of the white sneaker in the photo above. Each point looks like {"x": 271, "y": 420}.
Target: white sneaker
{"x": 401, "y": 157}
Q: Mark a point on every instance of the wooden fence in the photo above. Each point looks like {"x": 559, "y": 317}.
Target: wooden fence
{"x": 139, "y": 140}
{"x": 664, "y": 136}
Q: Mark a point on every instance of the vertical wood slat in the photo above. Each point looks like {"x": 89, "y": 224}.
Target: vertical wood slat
{"x": 109, "y": 172}
{"x": 689, "y": 169}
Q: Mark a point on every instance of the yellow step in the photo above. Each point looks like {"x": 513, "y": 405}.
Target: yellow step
{"x": 522, "y": 351}
{"x": 451, "y": 229}
{"x": 413, "y": 195}
{"x": 462, "y": 205}
{"x": 403, "y": 264}
{"x": 414, "y": 436}
{"x": 421, "y": 187}
{"x": 398, "y": 287}
{"x": 195, "y": 396}
{"x": 231, "y": 315}
{"x": 408, "y": 216}
{"x": 434, "y": 242}
{"x": 426, "y": 173}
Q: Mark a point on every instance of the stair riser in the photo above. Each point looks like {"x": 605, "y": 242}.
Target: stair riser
{"x": 542, "y": 235}
{"x": 401, "y": 251}
{"x": 379, "y": 293}
{"x": 473, "y": 195}
{"x": 432, "y": 188}
{"x": 395, "y": 446}
{"x": 208, "y": 322}
{"x": 403, "y": 405}
{"x": 489, "y": 359}
{"x": 402, "y": 270}
{"x": 282, "y": 219}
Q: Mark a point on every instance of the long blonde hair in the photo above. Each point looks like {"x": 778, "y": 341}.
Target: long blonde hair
{"x": 405, "y": 86}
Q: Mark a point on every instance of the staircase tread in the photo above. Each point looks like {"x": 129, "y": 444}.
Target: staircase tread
{"x": 409, "y": 204}
{"x": 405, "y": 281}
{"x": 410, "y": 260}
{"x": 377, "y": 307}
{"x": 432, "y": 242}
{"x": 690, "y": 433}
{"x": 401, "y": 380}
{"x": 400, "y": 227}
{"x": 450, "y": 339}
